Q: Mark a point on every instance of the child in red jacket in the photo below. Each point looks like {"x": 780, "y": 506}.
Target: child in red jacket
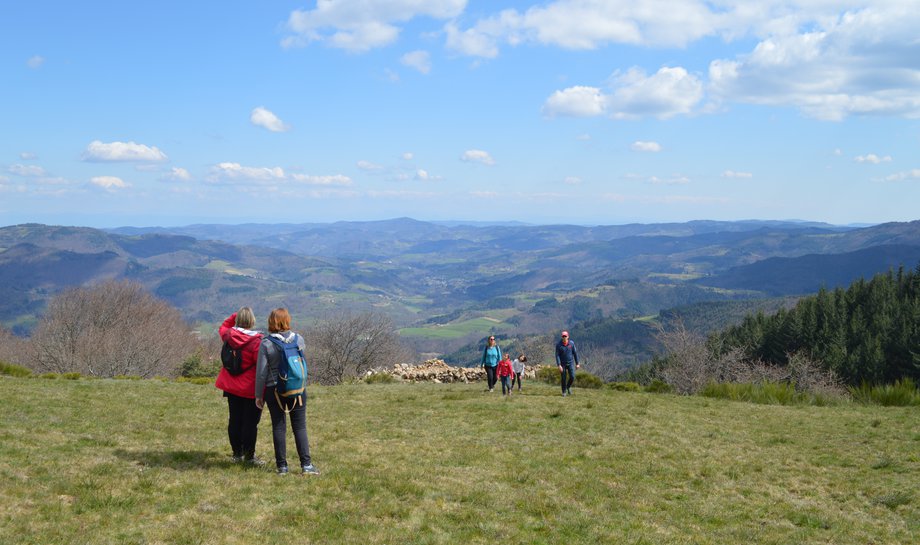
{"x": 504, "y": 373}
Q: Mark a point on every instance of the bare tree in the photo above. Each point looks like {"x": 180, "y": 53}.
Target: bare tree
{"x": 12, "y": 348}
{"x": 115, "y": 328}
{"x": 351, "y": 345}
{"x": 690, "y": 364}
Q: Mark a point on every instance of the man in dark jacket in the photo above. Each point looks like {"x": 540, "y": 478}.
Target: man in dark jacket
{"x": 567, "y": 360}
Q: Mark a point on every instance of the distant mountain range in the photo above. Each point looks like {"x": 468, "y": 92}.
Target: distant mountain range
{"x": 440, "y": 281}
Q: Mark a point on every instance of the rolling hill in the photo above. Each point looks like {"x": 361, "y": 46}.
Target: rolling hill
{"x": 523, "y": 279}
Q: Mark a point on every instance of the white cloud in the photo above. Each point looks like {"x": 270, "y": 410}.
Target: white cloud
{"x": 27, "y": 170}
{"x": 578, "y": 101}
{"x": 35, "y": 61}
{"x": 675, "y": 179}
{"x": 477, "y": 156}
{"x": 423, "y": 175}
{"x": 571, "y": 180}
{"x": 668, "y": 92}
{"x": 232, "y": 172}
{"x": 583, "y": 137}
{"x": 872, "y": 158}
{"x": 369, "y": 166}
{"x": 913, "y": 174}
{"x": 639, "y": 145}
{"x": 420, "y": 60}
{"x": 590, "y": 24}
{"x": 108, "y": 182}
{"x": 734, "y": 174}
{"x": 28, "y": 156}
{"x": 830, "y": 61}
{"x": 408, "y": 156}
{"x": 261, "y": 117}
{"x": 177, "y": 174}
{"x": 332, "y": 180}
{"x": 254, "y": 179}
{"x": 359, "y": 26}
{"x": 391, "y": 75}
{"x": 122, "y": 152}
{"x": 472, "y": 42}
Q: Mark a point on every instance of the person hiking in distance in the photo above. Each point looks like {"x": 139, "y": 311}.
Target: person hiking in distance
{"x": 505, "y": 371}
{"x": 491, "y": 355}
{"x": 518, "y": 367}
{"x": 567, "y": 360}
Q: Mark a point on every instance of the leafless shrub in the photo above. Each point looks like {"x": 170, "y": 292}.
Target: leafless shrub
{"x": 690, "y": 365}
{"x": 13, "y": 349}
{"x": 115, "y": 328}
{"x": 810, "y": 376}
{"x": 351, "y": 345}
{"x": 604, "y": 362}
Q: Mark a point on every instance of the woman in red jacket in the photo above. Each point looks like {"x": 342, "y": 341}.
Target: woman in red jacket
{"x": 239, "y": 390}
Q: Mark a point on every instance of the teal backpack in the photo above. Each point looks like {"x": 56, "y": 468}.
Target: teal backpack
{"x": 292, "y": 373}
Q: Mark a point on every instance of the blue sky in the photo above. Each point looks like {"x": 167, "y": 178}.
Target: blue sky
{"x": 565, "y": 111}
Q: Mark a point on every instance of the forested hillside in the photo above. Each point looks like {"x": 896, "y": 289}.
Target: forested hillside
{"x": 868, "y": 332}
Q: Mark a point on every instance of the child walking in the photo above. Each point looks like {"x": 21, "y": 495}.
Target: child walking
{"x": 504, "y": 373}
{"x": 517, "y": 366}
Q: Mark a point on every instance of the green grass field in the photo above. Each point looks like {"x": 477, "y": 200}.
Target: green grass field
{"x": 454, "y": 330}
{"x": 106, "y": 461}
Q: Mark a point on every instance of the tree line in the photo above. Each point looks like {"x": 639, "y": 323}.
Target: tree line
{"x": 868, "y": 333}
{"x": 118, "y": 328}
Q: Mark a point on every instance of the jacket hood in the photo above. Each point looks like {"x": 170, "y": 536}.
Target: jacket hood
{"x": 285, "y": 336}
{"x": 240, "y": 337}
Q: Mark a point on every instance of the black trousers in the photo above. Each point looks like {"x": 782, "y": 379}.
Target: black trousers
{"x": 490, "y": 376}
{"x": 279, "y": 429}
{"x": 243, "y": 425}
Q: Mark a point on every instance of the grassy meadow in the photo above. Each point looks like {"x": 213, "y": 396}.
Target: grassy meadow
{"x": 109, "y": 461}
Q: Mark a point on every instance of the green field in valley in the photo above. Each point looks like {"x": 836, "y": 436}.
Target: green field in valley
{"x": 453, "y": 330}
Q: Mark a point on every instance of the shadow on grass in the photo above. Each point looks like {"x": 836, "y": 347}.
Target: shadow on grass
{"x": 182, "y": 460}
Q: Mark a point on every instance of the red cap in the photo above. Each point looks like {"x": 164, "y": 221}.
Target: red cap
{"x": 565, "y": 333}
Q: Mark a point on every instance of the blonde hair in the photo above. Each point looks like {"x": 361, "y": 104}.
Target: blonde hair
{"x": 245, "y": 318}
{"x": 279, "y": 320}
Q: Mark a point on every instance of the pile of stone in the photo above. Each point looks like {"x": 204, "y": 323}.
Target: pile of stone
{"x": 436, "y": 370}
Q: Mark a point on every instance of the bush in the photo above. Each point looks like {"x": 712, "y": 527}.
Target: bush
{"x": 51, "y": 376}
{"x": 658, "y": 386}
{"x": 194, "y": 366}
{"x": 625, "y": 386}
{"x": 584, "y": 379}
{"x": 903, "y": 393}
{"x": 380, "y": 378}
{"x": 766, "y": 393}
{"x": 126, "y": 377}
{"x": 71, "y": 376}
{"x": 548, "y": 374}
{"x": 14, "y": 370}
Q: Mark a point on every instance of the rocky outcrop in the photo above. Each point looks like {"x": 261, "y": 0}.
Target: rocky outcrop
{"x": 437, "y": 371}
